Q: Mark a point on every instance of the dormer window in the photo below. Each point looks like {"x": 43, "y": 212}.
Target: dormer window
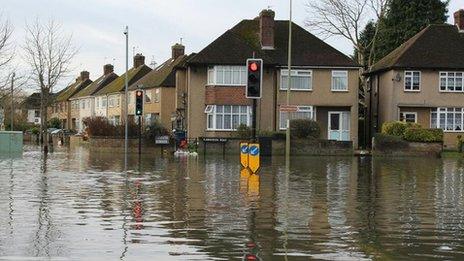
{"x": 412, "y": 81}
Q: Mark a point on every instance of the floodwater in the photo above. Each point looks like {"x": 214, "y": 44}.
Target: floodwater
{"x": 78, "y": 205}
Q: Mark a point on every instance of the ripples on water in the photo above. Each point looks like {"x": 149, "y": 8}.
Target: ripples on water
{"x": 81, "y": 205}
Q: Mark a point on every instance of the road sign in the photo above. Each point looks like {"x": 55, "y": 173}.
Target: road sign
{"x": 244, "y": 154}
{"x": 162, "y": 140}
{"x": 254, "y": 157}
{"x": 288, "y": 108}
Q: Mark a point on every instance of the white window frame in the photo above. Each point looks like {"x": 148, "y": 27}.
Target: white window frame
{"x": 447, "y": 112}
{"x": 409, "y": 113}
{"x": 212, "y": 75}
{"x": 346, "y": 78}
{"x": 301, "y": 109}
{"x": 412, "y": 81}
{"x": 445, "y": 74}
{"x": 211, "y": 110}
{"x": 295, "y": 73}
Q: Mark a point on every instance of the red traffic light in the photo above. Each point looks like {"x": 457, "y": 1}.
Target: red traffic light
{"x": 139, "y": 93}
{"x": 253, "y": 66}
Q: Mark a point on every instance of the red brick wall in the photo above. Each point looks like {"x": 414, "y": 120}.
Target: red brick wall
{"x": 219, "y": 95}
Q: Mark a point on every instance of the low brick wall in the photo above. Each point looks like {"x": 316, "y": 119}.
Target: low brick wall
{"x": 298, "y": 147}
{"x": 404, "y": 148}
{"x": 112, "y": 144}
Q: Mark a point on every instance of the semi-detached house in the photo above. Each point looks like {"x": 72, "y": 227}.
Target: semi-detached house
{"x": 61, "y": 105}
{"x": 159, "y": 88}
{"x": 84, "y": 104}
{"x": 111, "y": 97}
{"x": 324, "y": 87}
{"x": 422, "y": 82}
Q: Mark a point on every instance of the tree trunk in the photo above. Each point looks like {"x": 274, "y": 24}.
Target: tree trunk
{"x": 44, "y": 119}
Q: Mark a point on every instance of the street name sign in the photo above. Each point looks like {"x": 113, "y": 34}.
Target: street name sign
{"x": 162, "y": 140}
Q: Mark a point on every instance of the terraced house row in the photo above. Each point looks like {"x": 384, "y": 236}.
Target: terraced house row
{"x": 204, "y": 93}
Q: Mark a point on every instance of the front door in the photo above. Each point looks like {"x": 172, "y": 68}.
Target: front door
{"x": 339, "y": 126}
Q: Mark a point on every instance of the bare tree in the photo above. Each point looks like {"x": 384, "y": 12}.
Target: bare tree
{"x": 346, "y": 18}
{"x": 48, "y": 51}
{"x": 6, "y": 51}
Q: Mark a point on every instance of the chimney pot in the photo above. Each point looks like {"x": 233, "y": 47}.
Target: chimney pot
{"x": 85, "y": 75}
{"x": 459, "y": 19}
{"x": 266, "y": 28}
{"x": 107, "y": 69}
{"x": 139, "y": 60}
{"x": 177, "y": 50}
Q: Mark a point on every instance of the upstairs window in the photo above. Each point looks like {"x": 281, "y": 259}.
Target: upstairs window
{"x": 301, "y": 80}
{"x": 451, "y": 82}
{"x": 231, "y": 75}
{"x": 147, "y": 96}
{"x": 412, "y": 81}
{"x": 339, "y": 81}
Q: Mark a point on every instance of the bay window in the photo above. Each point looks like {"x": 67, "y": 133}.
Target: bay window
{"x": 412, "y": 80}
{"x": 448, "y": 119}
{"x": 227, "y": 75}
{"x": 339, "y": 80}
{"x": 301, "y": 80}
{"x": 451, "y": 82}
{"x": 303, "y": 112}
{"x": 227, "y": 117}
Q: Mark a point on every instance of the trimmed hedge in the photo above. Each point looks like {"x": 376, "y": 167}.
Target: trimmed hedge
{"x": 423, "y": 135}
{"x": 383, "y": 141}
{"x": 397, "y": 128}
{"x": 302, "y": 128}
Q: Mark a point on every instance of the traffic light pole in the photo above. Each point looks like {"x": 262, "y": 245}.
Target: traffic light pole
{"x": 140, "y": 135}
{"x": 253, "y": 130}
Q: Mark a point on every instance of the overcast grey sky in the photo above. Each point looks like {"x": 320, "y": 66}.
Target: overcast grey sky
{"x": 154, "y": 25}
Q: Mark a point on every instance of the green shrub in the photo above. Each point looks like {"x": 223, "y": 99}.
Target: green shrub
{"x": 423, "y": 135}
{"x": 302, "y": 128}
{"x": 101, "y": 127}
{"x": 383, "y": 142}
{"x": 54, "y": 123}
{"x": 460, "y": 142}
{"x": 397, "y": 128}
{"x": 34, "y": 130}
{"x": 243, "y": 132}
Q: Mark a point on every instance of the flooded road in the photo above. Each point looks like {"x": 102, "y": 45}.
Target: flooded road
{"x": 80, "y": 205}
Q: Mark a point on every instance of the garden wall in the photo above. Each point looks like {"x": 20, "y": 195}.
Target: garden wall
{"x": 299, "y": 147}
{"x": 112, "y": 144}
{"x": 395, "y": 147}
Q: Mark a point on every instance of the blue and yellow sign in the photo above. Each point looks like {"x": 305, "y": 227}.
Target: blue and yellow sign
{"x": 253, "y": 157}
{"x": 244, "y": 154}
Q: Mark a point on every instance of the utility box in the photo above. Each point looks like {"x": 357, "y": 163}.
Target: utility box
{"x": 11, "y": 141}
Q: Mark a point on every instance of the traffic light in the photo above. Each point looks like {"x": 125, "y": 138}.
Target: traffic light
{"x": 138, "y": 103}
{"x": 254, "y": 79}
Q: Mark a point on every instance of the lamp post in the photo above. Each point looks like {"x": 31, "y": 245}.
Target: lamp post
{"x": 287, "y": 140}
{"x": 12, "y": 101}
{"x": 126, "y": 134}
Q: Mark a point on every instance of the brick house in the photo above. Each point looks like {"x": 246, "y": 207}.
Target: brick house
{"x": 113, "y": 94}
{"x": 324, "y": 82}
{"x": 422, "y": 81}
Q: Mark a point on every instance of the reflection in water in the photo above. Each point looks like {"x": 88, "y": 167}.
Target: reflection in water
{"x": 82, "y": 205}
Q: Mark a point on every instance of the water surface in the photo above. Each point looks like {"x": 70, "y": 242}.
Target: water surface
{"x": 77, "y": 204}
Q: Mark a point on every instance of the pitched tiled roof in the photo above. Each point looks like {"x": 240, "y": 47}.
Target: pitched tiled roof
{"x": 97, "y": 85}
{"x": 435, "y": 47}
{"x": 239, "y": 43}
{"x": 163, "y": 76}
{"x": 72, "y": 89}
{"x": 134, "y": 74}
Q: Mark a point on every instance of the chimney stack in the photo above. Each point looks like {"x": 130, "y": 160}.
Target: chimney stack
{"x": 85, "y": 75}
{"x": 459, "y": 19}
{"x": 266, "y": 28}
{"x": 139, "y": 60}
{"x": 107, "y": 69}
{"x": 177, "y": 50}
